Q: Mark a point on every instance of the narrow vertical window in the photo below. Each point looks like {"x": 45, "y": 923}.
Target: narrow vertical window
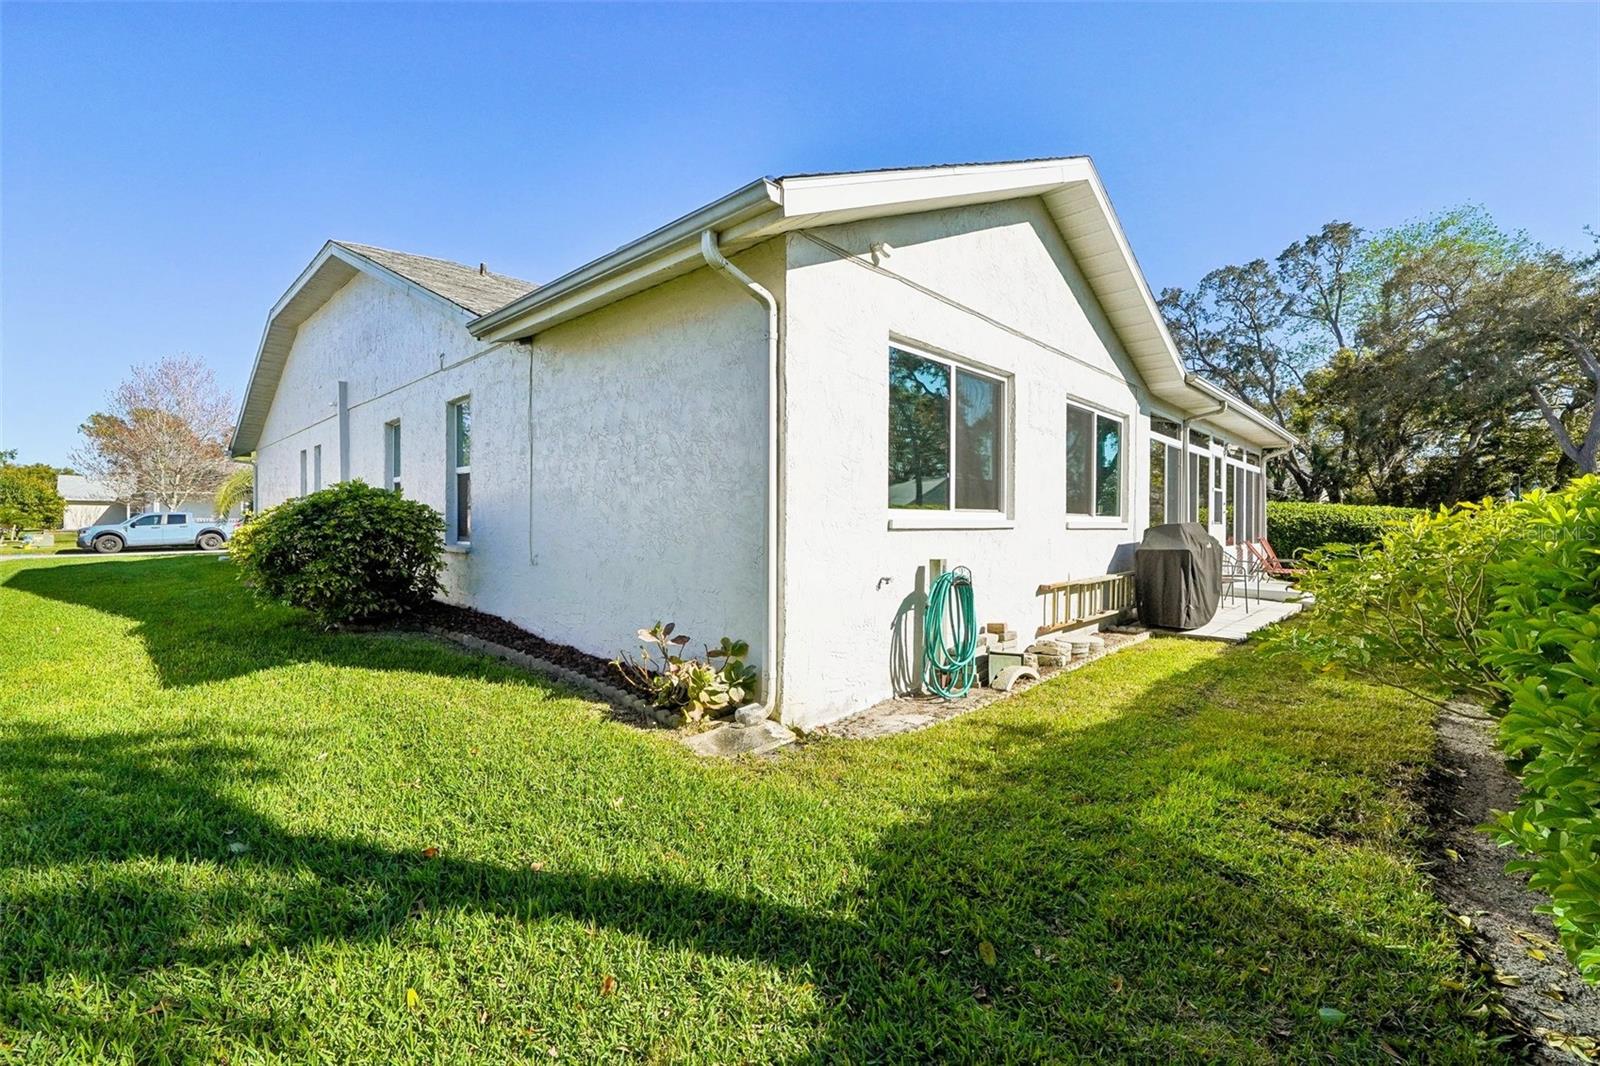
{"x": 391, "y": 455}
{"x": 460, "y": 485}
{"x": 1158, "y": 482}
{"x": 302, "y": 471}
{"x": 316, "y": 467}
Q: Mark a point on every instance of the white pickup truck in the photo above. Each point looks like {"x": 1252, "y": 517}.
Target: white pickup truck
{"x": 176, "y": 529}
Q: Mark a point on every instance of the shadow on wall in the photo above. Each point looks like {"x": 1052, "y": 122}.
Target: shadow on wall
{"x": 1116, "y": 933}
{"x": 905, "y": 639}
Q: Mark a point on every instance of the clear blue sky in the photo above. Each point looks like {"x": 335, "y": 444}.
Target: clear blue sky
{"x": 168, "y": 170}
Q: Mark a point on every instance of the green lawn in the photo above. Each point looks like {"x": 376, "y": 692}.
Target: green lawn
{"x": 217, "y": 823}
{"x": 62, "y": 540}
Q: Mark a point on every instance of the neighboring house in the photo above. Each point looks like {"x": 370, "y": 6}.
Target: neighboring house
{"x": 957, "y": 363}
{"x": 91, "y": 503}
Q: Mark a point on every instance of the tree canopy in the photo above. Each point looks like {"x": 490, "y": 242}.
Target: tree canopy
{"x": 1440, "y": 360}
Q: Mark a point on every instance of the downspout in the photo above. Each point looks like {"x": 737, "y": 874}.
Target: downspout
{"x": 771, "y": 655}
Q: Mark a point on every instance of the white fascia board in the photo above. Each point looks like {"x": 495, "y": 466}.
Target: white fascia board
{"x": 878, "y": 193}
{"x": 621, "y": 271}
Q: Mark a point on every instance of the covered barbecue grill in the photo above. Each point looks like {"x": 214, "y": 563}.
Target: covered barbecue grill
{"x": 1177, "y": 576}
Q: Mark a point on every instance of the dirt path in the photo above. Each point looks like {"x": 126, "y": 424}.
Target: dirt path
{"x": 1549, "y": 1002}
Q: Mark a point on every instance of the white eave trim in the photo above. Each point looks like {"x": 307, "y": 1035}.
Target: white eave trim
{"x": 657, "y": 253}
{"x": 1070, "y": 187}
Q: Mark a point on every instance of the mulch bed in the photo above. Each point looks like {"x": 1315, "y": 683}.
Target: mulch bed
{"x": 498, "y": 630}
{"x": 1550, "y": 1005}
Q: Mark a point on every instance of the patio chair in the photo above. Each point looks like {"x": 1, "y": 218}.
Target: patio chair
{"x": 1237, "y": 571}
{"x": 1268, "y": 561}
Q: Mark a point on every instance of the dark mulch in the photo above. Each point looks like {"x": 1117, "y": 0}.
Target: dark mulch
{"x": 1551, "y": 1005}
{"x": 500, "y": 631}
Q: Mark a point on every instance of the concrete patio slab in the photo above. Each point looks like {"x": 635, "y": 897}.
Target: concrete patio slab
{"x": 1235, "y": 621}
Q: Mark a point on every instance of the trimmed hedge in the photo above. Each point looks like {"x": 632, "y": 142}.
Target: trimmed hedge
{"x": 1295, "y": 528}
{"x": 350, "y": 553}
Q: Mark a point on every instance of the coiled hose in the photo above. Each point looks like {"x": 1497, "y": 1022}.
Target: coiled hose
{"x": 950, "y": 636}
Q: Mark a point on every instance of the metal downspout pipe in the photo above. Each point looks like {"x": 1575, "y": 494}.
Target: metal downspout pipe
{"x": 771, "y": 651}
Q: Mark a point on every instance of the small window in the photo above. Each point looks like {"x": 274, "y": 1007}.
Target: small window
{"x": 1165, "y": 426}
{"x": 1199, "y": 440}
{"x": 1094, "y": 463}
{"x": 316, "y": 466}
{"x": 177, "y": 519}
{"x": 302, "y": 471}
{"x": 148, "y": 520}
{"x": 944, "y": 455}
{"x": 1200, "y": 469}
{"x": 391, "y": 453}
{"x": 459, "y": 489}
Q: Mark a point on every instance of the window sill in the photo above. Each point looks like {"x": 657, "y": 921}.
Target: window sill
{"x": 459, "y": 547}
{"x": 1086, "y": 522}
{"x": 950, "y": 520}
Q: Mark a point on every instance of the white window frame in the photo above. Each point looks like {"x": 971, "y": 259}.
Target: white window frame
{"x": 303, "y": 481}
{"x": 453, "y": 468}
{"x": 1171, "y": 488}
{"x": 1119, "y": 520}
{"x": 954, "y": 517}
{"x": 316, "y": 467}
{"x": 393, "y": 457}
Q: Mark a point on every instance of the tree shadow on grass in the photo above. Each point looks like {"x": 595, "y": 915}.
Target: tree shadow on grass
{"x": 1113, "y": 932}
{"x": 197, "y": 629}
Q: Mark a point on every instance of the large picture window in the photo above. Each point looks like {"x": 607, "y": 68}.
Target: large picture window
{"x": 1094, "y": 463}
{"x": 946, "y": 435}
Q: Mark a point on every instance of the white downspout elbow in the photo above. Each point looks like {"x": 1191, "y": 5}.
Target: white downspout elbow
{"x": 771, "y": 655}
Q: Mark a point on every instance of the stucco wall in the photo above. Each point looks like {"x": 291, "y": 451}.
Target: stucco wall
{"x": 641, "y": 494}
{"x": 92, "y": 513}
{"x": 853, "y": 585}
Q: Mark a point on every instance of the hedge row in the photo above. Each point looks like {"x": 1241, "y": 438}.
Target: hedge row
{"x": 1294, "y": 528}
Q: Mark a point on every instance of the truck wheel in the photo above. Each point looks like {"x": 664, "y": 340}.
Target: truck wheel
{"x": 108, "y": 545}
{"x": 210, "y": 541}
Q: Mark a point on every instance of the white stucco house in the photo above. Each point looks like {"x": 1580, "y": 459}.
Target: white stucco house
{"x": 766, "y": 418}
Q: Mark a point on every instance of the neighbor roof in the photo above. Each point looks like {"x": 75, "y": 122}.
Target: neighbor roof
{"x": 77, "y": 487}
{"x": 1071, "y": 191}
{"x": 459, "y": 290}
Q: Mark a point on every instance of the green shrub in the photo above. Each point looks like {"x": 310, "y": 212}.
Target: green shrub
{"x": 1410, "y": 610}
{"x": 716, "y": 684}
{"x": 1545, "y": 645}
{"x": 1501, "y": 602}
{"x": 1295, "y": 528}
{"x": 347, "y": 554}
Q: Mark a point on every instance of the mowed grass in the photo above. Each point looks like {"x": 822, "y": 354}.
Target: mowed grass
{"x": 217, "y": 834}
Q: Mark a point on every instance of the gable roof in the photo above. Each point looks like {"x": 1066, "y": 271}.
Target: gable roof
{"x": 1069, "y": 186}
{"x": 475, "y": 289}
{"x": 455, "y": 288}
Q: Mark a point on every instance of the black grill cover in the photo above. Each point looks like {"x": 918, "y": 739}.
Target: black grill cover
{"x": 1177, "y": 576}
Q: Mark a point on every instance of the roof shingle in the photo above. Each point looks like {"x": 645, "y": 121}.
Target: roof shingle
{"x": 464, "y": 286}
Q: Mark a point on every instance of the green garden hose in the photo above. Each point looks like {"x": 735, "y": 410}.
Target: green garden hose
{"x": 950, "y": 636}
